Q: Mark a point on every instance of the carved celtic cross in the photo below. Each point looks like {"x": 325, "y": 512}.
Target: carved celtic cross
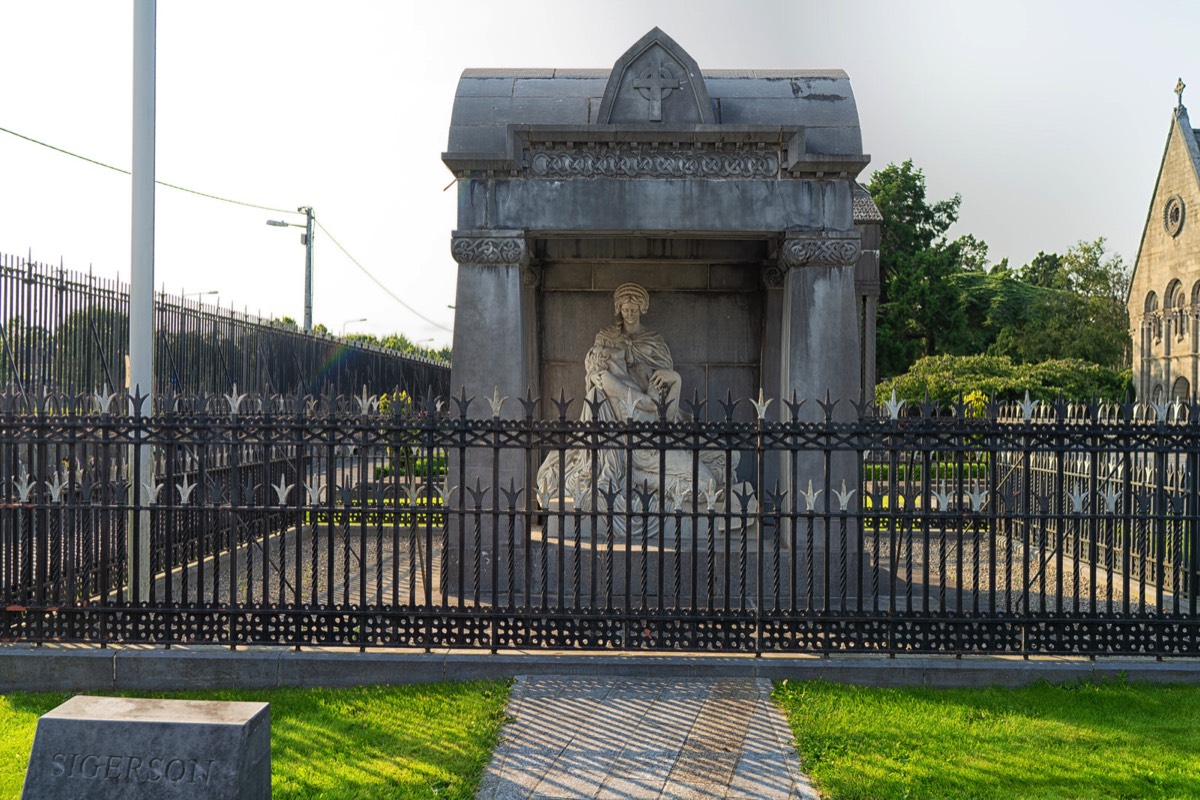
{"x": 655, "y": 85}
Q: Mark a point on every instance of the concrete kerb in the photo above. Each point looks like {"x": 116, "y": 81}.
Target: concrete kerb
{"x": 78, "y": 668}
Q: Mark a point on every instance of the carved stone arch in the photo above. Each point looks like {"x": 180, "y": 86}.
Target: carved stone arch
{"x": 656, "y": 81}
{"x": 1181, "y": 390}
{"x": 1151, "y": 302}
{"x": 1196, "y": 294}
{"x": 1173, "y": 297}
{"x": 1157, "y": 395}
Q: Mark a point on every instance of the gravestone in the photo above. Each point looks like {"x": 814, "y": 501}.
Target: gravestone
{"x": 119, "y": 747}
{"x": 730, "y": 196}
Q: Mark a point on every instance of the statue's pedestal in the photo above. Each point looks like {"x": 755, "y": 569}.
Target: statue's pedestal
{"x": 693, "y": 565}
{"x": 564, "y": 521}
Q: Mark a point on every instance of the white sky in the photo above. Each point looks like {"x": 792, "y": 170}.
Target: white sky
{"x": 1049, "y": 118}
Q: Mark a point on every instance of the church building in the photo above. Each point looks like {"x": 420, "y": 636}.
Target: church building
{"x": 1164, "y": 291}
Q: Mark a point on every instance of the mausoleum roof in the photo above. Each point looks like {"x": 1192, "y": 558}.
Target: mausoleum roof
{"x": 488, "y": 101}
{"x": 865, "y": 209}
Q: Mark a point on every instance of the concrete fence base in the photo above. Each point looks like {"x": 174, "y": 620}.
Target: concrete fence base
{"x": 145, "y": 668}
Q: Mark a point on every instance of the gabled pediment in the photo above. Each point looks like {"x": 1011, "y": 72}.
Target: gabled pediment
{"x": 1174, "y": 213}
{"x": 655, "y": 82}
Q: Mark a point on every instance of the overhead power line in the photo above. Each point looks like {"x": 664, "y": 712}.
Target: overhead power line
{"x": 160, "y": 183}
{"x": 376, "y": 281}
{"x": 336, "y": 243}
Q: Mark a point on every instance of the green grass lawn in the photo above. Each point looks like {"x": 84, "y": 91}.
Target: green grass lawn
{"x": 428, "y": 741}
{"x": 1111, "y": 740}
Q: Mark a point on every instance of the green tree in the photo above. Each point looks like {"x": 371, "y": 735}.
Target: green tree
{"x": 920, "y": 310}
{"x": 1061, "y": 307}
{"x": 401, "y": 344}
{"x": 1044, "y": 270}
{"x": 1100, "y": 325}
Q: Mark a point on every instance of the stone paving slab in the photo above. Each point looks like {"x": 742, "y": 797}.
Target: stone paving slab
{"x": 631, "y": 738}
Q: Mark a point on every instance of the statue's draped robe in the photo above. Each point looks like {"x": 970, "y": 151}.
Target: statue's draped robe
{"x": 631, "y": 359}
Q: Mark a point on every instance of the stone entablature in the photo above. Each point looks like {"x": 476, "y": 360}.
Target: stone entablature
{"x": 701, "y": 151}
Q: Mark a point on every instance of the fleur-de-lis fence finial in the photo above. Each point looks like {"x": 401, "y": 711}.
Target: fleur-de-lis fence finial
{"x": 235, "y": 400}
{"x": 844, "y": 496}
{"x": 894, "y": 406}
{"x": 1028, "y": 406}
{"x": 185, "y": 488}
{"x": 496, "y": 401}
{"x": 761, "y": 405}
{"x": 810, "y": 497}
{"x": 282, "y": 490}
{"x": 56, "y": 485}
{"x": 24, "y": 486}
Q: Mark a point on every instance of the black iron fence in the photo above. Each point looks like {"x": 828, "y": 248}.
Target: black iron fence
{"x": 69, "y": 332}
{"x": 321, "y": 520}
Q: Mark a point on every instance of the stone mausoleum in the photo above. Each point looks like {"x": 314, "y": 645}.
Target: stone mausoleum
{"x": 730, "y": 195}
{"x": 1164, "y": 292}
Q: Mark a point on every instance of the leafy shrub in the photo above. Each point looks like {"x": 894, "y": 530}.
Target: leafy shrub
{"x": 945, "y": 378}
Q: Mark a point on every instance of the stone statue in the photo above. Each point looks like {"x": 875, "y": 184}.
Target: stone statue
{"x": 630, "y": 375}
{"x": 629, "y": 366}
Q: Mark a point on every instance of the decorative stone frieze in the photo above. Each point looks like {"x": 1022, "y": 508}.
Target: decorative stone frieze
{"x": 489, "y": 248}
{"x": 644, "y": 161}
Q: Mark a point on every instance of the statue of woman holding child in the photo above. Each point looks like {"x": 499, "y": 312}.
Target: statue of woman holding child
{"x": 630, "y": 377}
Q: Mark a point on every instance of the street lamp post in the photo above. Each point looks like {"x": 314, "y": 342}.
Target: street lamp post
{"x": 306, "y": 239}
{"x": 347, "y": 322}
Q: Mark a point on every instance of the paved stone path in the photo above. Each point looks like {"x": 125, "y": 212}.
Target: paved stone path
{"x": 631, "y": 738}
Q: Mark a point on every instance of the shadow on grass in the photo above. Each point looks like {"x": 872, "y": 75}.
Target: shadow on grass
{"x": 1109, "y": 740}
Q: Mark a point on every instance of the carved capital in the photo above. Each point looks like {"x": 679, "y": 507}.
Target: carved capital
{"x": 820, "y": 251}
{"x": 489, "y": 247}
{"x": 531, "y": 276}
{"x": 773, "y": 274}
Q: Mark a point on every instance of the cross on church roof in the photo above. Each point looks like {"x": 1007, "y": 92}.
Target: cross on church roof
{"x": 655, "y": 85}
{"x": 1179, "y": 87}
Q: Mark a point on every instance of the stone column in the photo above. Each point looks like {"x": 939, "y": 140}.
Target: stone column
{"x": 495, "y": 357}
{"x": 820, "y": 347}
{"x": 1195, "y": 354}
{"x": 492, "y": 321}
{"x": 1141, "y": 369}
{"x": 821, "y": 353}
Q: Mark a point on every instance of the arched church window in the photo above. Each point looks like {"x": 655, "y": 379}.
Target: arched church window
{"x": 1182, "y": 390}
{"x": 1176, "y": 300}
{"x": 1157, "y": 395}
{"x": 1174, "y": 294}
{"x": 1151, "y": 318}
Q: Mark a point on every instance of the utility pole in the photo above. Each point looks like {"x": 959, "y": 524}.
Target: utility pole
{"x": 306, "y": 239}
{"x": 308, "y": 265}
